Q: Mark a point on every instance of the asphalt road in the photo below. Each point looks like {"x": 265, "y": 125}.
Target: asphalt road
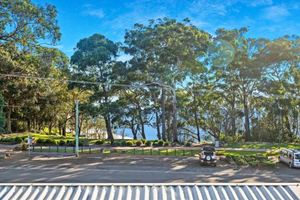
{"x": 132, "y": 169}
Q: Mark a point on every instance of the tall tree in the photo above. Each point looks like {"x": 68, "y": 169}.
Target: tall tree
{"x": 24, "y": 23}
{"x": 94, "y": 60}
{"x": 2, "y": 116}
{"x": 166, "y": 50}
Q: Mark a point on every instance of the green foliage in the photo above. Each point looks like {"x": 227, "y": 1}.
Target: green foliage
{"x": 24, "y": 23}
{"x": 61, "y": 143}
{"x": 129, "y": 143}
{"x": 160, "y": 143}
{"x": 188, "y": 144}
{"x": 50, "y": 142}
{"x": 99, "y": 142}
{"x": 2, "y": 115}
{"x": 18, "y": 140}
{"x": 166, "y": 144}
{"x": 7, "y": 140}
{"x": 252, "y": 160}
{"x": 231, "y": 139}
{"x": 139, "y": 143}
{"x": 123, "y": 143}
{"x": 148, "y": 143}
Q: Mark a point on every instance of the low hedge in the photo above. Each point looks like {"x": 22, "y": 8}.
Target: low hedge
{"x": 99, "y": 142}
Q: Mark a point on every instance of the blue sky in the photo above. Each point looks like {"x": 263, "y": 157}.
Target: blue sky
{"x": 82, "y": 18}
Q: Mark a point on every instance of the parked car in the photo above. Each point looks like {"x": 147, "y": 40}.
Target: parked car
{"x": 290, "y": 157}
{"x": 207, "y": 156}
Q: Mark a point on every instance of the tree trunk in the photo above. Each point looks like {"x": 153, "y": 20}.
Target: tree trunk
{"x": 64, "y": 130}
{"x": 174, "y": 113}
{"x": 233, "y": 123}
{"x": 163, "y": 114}
{"x": 108, "y": 128}
{"x": 28, "y": 125}
{"x": 8, "y": 120}
{"x": 142, "y": 122}
{"x": 169, "y": 126}
{"x": 50, "y": 128}
{"x": 133, "y": 130}
{"x": 157, "y": 126}
{"x": 196, "y": 119}
{"x": 247, "y": 120}
{"x": 197, "y": 126}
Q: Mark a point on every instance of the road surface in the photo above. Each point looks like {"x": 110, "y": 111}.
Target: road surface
{"x": 132, "y": 169}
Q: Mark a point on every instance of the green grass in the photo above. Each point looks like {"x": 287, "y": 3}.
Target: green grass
{"x": 263, "y": 145}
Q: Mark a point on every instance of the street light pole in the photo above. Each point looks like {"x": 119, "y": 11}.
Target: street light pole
{"x": 77, "y": 129}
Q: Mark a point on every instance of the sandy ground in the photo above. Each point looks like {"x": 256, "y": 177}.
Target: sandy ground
{"x": 95, "y": 168}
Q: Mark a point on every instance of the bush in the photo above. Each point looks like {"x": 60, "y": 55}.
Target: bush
{"x": 139, "y": 143}
{"x": 123, "y": 143}
{"x": 70, "y": 142}
{"x": 231, "y": 139}
{"x": 148, "y": 143}
{"x": 166, "y": 144}
{"x": 62, "y": 143}
{"x": 160, "y": 143}
{"x": 188, "y": 144}
{"x": 129, "y": 143}
{"x": 50, "y": 142}
{"x": 40, "y": 141}
{"x": 83, "y": 142}
{"x": 143, "y": 141}
{"x": 8, "y": 140}
{"x": 99, "y": 142}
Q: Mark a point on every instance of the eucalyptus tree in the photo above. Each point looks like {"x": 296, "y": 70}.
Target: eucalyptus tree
{"x": 2, "y": 116}
{"x": 166, "y": 50}
{"x": 94, "y": 60}
{"x": 24, "y": 23}
{"x": 242, "y": 73}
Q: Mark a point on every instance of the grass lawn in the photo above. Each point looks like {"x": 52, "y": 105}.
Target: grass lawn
{"x": 263, "y": 145}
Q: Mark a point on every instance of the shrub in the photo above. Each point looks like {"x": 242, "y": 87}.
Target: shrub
{"x": 139, "y": 143}
{"x": 50, "y": 142}
{"x": 62, "y": 143}
{"x": 40, "y": 141}
{"x": 83, "y": 142}
{"x": 160, "y": 143}
{"x": 99, "y": 142}
{"x": 123, "y": 143}
{"x": 129, "y": 143}
{"x": 143, "y": 141}
{"x": 188, "y": 144}
{"x": 70, "y": 143}
{"x": 18, "y": 140}
{"x": 148, "y": 143}
{"x": 166, "y": 144}
{"x": 8, "y": 140}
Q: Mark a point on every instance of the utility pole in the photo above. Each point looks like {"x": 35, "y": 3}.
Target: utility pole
{"x": 77, "y": 129}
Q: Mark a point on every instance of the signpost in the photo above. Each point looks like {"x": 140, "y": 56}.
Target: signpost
{"x": 29, "y": 142}
{"x": 77, "y": 129}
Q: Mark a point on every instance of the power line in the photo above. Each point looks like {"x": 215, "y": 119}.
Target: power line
{"x": 150, "y": 85}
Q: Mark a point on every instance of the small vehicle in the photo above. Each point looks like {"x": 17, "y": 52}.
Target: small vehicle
{"x": 208, "y": 156}
{"x": 290, "y": 157}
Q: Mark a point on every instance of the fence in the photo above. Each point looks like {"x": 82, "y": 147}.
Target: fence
{"x": 163, "y": 151}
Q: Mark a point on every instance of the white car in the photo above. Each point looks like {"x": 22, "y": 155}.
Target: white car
{"x": 290, "y": 157}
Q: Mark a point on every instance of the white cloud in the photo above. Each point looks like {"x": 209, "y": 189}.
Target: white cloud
{"x": 89, "y": 10}
{"x": 96, "y": 13}
{"x": 255, "y": 3}
{"x": 275, "y": 13}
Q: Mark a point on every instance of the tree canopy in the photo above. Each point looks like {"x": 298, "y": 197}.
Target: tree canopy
{"x": 180, "y": 81}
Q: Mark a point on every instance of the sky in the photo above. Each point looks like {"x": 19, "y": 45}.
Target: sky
{"x": 82, "y": 18}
